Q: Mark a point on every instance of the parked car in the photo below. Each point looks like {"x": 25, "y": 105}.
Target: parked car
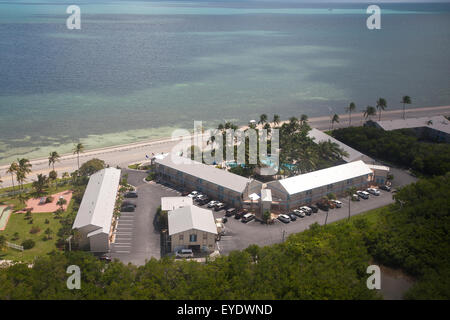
{"x": 385, "y": 187}
{"x": 224, "y": 220}
{"x": 314, "y": 208}
{"x": 248, "y": 217}
{"x": 307, "y": 210}
{"x": 128, "y": 203}
{"x": 184, "y": 193}
{"x": 323, "y": 206}
{"x": 127, "y": 209}
{"x": 202, "y": 199}
{"x": 240, "y": 214}
{"x": 219, "y": 206}
{"x": 212, "y": 203}
{"x": 363, "y": 194}
{"x": 284, "y": 218}
{"x": 337, "y": 203}
{"x": 299, "y": 213}
{"x": 131, "y": 194}
{"x": 230, "y": 212}
{"x": 184, "y": 253}
{"x": 292, "y": 216}
{"x": 355, "y": 197}
{"x": 193, "y": 194}
{"x": 105, "y": 257}
{"x": 373, "y": 191}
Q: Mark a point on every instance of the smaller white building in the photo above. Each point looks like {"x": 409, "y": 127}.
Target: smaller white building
{"x": 193, "y": 228}
{"x": 172, "y": 203}
{"x": 94, "y": 217}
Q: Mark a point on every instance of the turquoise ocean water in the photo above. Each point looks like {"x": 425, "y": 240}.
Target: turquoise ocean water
{"x": 138, "y": 69}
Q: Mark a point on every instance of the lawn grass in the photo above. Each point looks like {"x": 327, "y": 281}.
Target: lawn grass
{"x": 18, "y": 223}
{"x": 134, "y": 166}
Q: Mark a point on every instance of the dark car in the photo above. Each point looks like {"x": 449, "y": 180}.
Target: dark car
{"x": 240, "y": 214}
{"x": 230, "y": 212}
{"x": 127, "y": 209}
{"x": 105, "y": 257}
{"x": 314, "y": 208}
{"x": 128, "y": 203}
{"x": 385, "y": 188}
{"x": 322, "y": 206}
{"x": 292, "y": 216}
{"x": 224, "y": 220}
{"x": 131, "y": 194}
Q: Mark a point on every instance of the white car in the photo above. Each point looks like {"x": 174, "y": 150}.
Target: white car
{"x": 337, "y": 203}
{"x": 306, "y": 209}
{"x": 193, "y": 194}
{"x": 212, "y": 203}
{"x": 284, "y": 218}
{"x": 373, "y": 191}
{"x": 184, "y": 253}
{"x": 363, "y": 194}
{"x": 299, "y": 213}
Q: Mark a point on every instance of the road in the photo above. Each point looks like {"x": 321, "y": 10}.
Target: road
{"x": 132, "y": 153}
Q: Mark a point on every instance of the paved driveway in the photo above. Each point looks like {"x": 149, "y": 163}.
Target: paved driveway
{"x": 137, "y": 239}
{"x": 240, "y": 235}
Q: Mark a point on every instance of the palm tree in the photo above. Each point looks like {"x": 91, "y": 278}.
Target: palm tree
{"x": 262, "y": 118}
{"x": 330, "y": 150}
{"x": 24, "y": 168}
{"x": 350, "y": 192}
{"x": 303, "y": 119}
{"x": 12, "y": 170}
{"x": 405, "y": 100}
{"x": 79, "y": 148}
{"x": 334, "y": 119}
{"x": 276, "y": 119}
{"x": 53, "y": 158}
{"x": 40, "y": 185}
{"x": 351, "y": 107}
{"x": 307, "y": 160}
{"x": 370, "y": 111}
{"x": 381, "y": 105}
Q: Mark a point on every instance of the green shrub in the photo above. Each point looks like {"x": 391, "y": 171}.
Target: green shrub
{"x": 28, "y": 244}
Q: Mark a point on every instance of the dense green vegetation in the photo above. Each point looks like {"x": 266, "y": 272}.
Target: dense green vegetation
{"x": 324, "y": 262}
{"x": 400, "y": 147}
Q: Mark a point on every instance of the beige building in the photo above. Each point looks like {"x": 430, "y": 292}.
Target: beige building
{"x": 216, "y": 183}
{"x": 193, "y": 228}
{"x": 310, "y": 187}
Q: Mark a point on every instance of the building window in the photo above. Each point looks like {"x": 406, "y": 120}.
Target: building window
{"x": 181, "y": 238}
{"x": 205, "y": 236}
{"x": 193, "y": 238}
{"x": 329, "y": 187}
{"x": 349, "y": 181}
{"x": 308, "y": 192}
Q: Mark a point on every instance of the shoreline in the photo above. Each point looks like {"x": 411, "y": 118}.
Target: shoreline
{"x": 133, "y": 152}
{"x": 144, "y": 143}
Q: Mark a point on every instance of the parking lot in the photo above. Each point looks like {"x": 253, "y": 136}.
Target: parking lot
{"x": 138, "y": 239}
{"x": 239, "y": 235}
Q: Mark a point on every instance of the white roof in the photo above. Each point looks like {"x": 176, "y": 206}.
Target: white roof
{"x": 172, "y": 203}
{"x": 96, "y": 208}
{"x": 205, "y": 172}
{"x": 378, "y": 167}
{"x": 324, "y": 177}
{"x": 266, "y": 195}
{"x": 439, "y": 123}
{"x": 353, "y": 154}
{"x": 254, "y": 197}
{"x": 191, "y": 217}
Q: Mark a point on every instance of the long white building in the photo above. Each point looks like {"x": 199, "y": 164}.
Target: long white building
{"x": 94, "y": 218}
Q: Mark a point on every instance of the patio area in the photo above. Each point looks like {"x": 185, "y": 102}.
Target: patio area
{"x": 36, "y": 207}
